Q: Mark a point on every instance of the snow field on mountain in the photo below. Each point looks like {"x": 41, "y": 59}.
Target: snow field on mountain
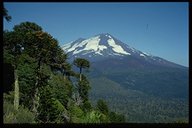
{"x": 117, "y": 48}
{"x": 142, "y": 55}
{"x": 91, "y": 44}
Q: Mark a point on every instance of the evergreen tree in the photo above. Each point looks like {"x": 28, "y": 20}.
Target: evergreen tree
{"x": 51, "y": 109}
{"x": 116, "y": 118}
{"x": 102, "y": 106}
{"x": 27, "y": 73}
{"x": 81, "y": 63}
{"x": 43, "y": 74}
{"x": 41, "y": 48}
{"x": 25, "y": 30}
{"x": 14, "y": 44}
{"x": 83, "y": 89}
{"x": 60, "y": 63}
{"x": 38, "y": 44}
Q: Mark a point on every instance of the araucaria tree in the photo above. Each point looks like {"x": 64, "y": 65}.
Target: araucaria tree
{"x": 83, "y": 84}
{"x": 41, "y": 46}
{"x": 29, "y": 38}
{"x": 59, "y": 62}
{"x": 21, "y": 33}
{"x": 42, "y": 84}
{"x": 81, "y": 63}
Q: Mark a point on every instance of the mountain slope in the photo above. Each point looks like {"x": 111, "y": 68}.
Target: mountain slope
{"x": 105, "y": 46}
{"x": 130, "y": 68}
{"x": 128, "y": 78}
{"x": 136, "y": 105}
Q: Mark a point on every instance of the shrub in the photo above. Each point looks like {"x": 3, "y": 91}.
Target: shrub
{"x": 93, "y": 117}
{"x": 76, "y": 114}
{"x": 10, "y": 115}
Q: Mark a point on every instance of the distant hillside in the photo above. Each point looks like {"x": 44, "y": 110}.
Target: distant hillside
{"x": 137, "y": 106}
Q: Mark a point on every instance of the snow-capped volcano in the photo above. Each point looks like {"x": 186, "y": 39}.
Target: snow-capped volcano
{"x": 115, "y": 65}
{"x": 105, "y": 46}
{"x": 100, "y": 45}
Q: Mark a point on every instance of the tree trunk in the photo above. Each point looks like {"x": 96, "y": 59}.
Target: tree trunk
{"x": 80, "y": 78}
{"x": 68, "y": 76}
{"x": 36, "y": 93}
{"x": 16, "y": 93}
{"x": 78, "y": 99}
{"x": 64, "y": 74}
{"x": 36, "y": 101}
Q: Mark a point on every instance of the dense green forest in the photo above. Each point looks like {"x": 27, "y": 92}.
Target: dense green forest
{"x": 37, "y": 81}
{"x": 138, "y": 106}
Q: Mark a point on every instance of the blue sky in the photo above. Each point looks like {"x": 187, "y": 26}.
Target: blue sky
{"x": 160, "y": 29}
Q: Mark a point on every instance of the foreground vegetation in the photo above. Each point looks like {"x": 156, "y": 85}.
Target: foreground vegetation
{"x": 37, "y": 82}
